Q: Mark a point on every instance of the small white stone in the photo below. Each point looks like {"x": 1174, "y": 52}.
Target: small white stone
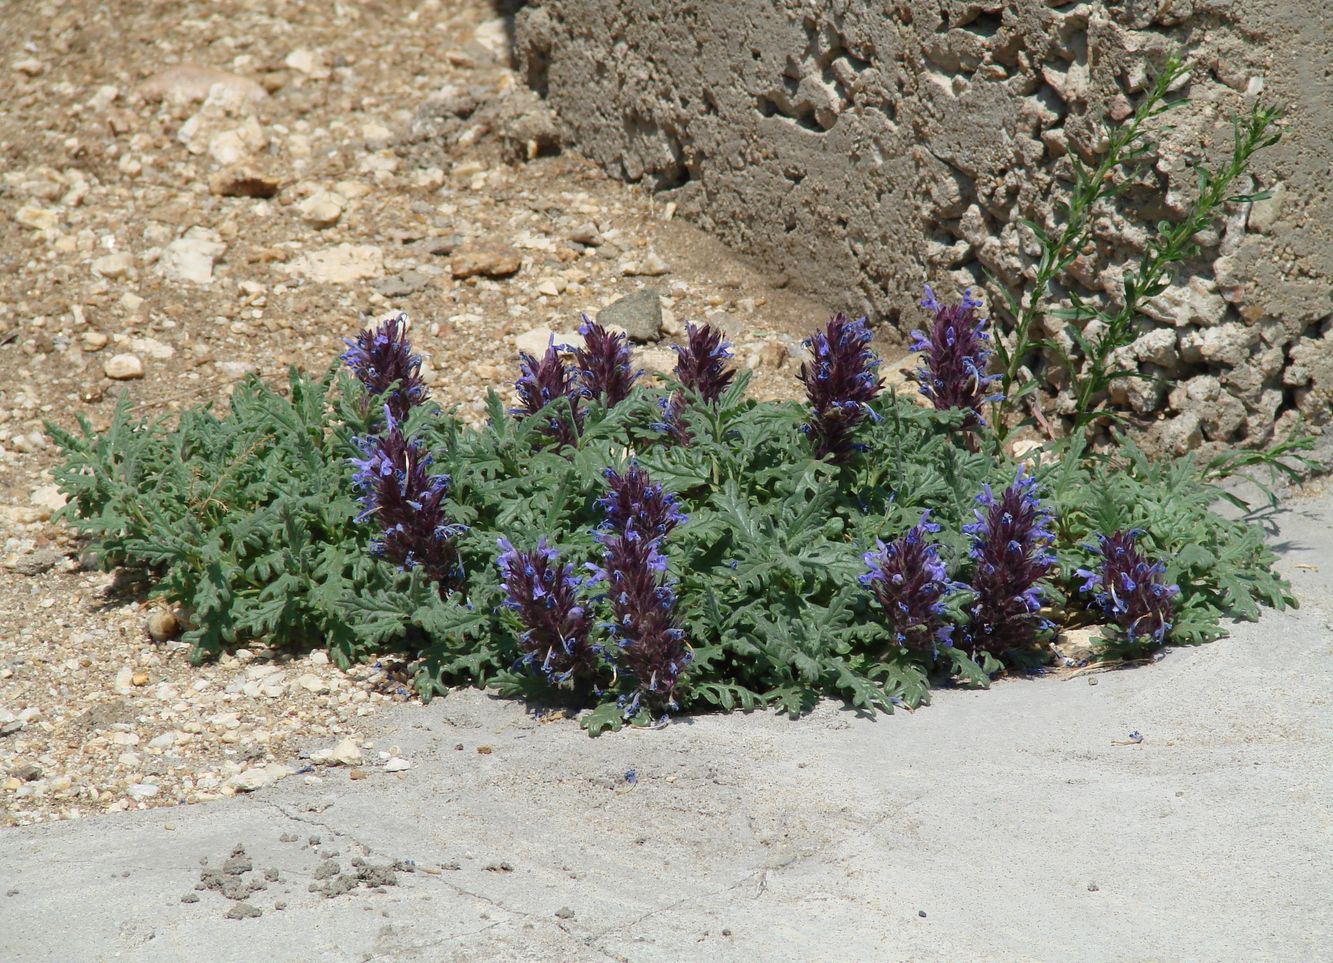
{"x": 153, "y": 348}
{"x": 122, "y": 683}
{"x": 313, "y": 683}
{"x": 257, "y": 778}
{"x": 321, "y": 210}
{"x": 164, "y": 741}
{"x": 347, "y": 753}
{"x": 342, "y": 264}
{"x": 235, "y": 370}
{"x": 397, "y": 765}
{"x": 37, "y": 218}
{"x": 142, "y": 790}
{"x": 48, "y": 500}
{"x": 191, "y": 258}
{"x": 123, "y": 367}
{"x": 114, "y": 266}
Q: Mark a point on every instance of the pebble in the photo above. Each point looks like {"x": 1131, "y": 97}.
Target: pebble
{"x": 347, "y": 753}
{"x": 308, "y": 62}
{"x": 191, "y": 258}
{"x": 113, "y": 266}
{"x": 313, "y": 683}
{"x": 402, "y": 285}
{"x": 342, "y": 264}
{"x": 639, "y": 315}
{"x": 162, "y": 625}
{"x": 123, "y": 367}
{"x": 651, "y": 265}
{"x": 186, "y": 83}
{"x": 154, "y": 348}
{"x": 484, "y": 258}
{"x": 770, "y": 354}
{"x": 142, "y": 790}
{"x": 397, "y": 765}
{"x": 37, "y": 218}
{"x": 243, "y": 180}
{"x": 93, "y": 340}
{"x": 235, "y": 370}
{"x": 564, "y": 913}
{"x": 48, "y": 500}
{"x": 536, "y": 341}
{"x": 321, "y": 209}
{"x": 258, "y": 777}
{"x": 586, "y": 233}
{"x": 243, "y": 911}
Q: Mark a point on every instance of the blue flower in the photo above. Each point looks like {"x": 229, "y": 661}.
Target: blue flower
{"x": 542, "y": 382}
{"x": 1010, "y": 546}
{"x": 702, "y": 369}
{"x": 382, "y": 359}
{"x": 908, "y": 580}
{"x": 603, "y": 364}
{"x": 556, "y": 623}
{"x": 405, "y": 502}
{"x": 1130, "y": 590}
{"x": 955, "y": 353}
{"x": 648, "y": 642}
{"x": 841, "y": 379}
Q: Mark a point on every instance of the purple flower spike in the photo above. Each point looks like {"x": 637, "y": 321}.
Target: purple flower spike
{"x": 1011, "y": 547}
{"x": 603, "y": 363}
{"x": 701, "y": 366}
{"x": 634, "y": 502}
{"x": 701, "y": 363}
{"x": 556, "y": 623}
{"x": 908, "y": 580}
{"x": 405, "y": 501}
{"x": 540, "y": 383}
{"x": 1130, "y": 590}
{"x": 650, "y": 644}
{"x": 841, "y": 380}
{"x": 955, "y": 355}
{"x": 381, "y": 357}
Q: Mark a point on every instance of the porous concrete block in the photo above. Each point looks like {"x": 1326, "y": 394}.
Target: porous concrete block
{"x": 866, "y": 148}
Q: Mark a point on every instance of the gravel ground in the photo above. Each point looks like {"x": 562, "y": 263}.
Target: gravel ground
{"x": 166, "y": 230}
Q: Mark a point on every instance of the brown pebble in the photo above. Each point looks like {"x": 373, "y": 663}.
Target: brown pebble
{"x": 358, "y": 774}
{"x": 484, "y": 750}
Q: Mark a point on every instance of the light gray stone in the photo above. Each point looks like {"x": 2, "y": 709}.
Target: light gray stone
{"x": 639, "y": 315}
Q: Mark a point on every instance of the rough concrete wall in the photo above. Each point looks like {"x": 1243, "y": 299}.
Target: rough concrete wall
{"x": 867, "y": 147}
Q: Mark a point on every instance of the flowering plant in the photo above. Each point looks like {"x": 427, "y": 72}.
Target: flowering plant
{"x": 841, "y": 379}
{"x": 1130, "y": 590}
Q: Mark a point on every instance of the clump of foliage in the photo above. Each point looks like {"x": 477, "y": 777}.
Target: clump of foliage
{"x": 769, "y": 554}
{"x": 641, "y": 550}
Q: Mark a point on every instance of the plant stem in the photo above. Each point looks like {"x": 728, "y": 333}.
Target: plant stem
{"x": 1172, "y": 245}
{"x": 1125, "y": 145}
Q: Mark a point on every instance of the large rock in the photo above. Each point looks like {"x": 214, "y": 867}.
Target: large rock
{"x": 639, "y": 315}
